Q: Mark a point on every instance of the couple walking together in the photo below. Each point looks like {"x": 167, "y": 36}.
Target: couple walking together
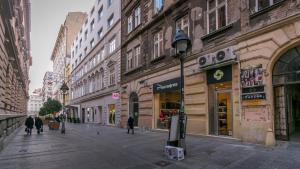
{"x": 30, "y": 122}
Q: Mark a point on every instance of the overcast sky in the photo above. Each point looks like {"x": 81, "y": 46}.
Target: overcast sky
{"x": 46, "y": 18}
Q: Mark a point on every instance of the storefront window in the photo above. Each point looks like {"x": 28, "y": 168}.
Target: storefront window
{"x": 168, "y": 106}
{"x": 112, "y": 113}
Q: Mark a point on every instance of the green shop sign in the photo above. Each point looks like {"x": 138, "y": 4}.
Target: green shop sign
{"x": 218, "y": 75}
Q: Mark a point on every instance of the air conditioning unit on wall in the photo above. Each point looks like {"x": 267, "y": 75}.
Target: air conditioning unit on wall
{"x": 221, "y": 56}
{"x": 206, "y": 60}
{"x": 224, "y": 55}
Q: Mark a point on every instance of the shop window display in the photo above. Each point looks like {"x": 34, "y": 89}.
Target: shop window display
{"x": 112, "y": 113}
{"x": 168, "y": 106}
{"x": 224, "y": 114}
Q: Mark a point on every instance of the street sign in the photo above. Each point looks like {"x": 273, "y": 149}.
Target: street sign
{"x": 116, "y": 96}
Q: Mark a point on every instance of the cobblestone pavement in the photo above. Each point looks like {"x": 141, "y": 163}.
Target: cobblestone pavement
{"x": 87, "y": 146}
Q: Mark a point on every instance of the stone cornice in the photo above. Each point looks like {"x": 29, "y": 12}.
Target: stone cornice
{"x": 269, "y": 28}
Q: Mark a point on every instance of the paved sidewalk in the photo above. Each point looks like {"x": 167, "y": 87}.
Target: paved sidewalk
{"x": 87, "y": 146}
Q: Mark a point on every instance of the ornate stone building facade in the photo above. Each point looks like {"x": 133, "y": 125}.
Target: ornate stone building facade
{"x": 96, "y": 66}
{"x": 35, "y": 102}
{"x": 15, "y": 58}
{"x": 61, "y": 53}
{"x": 47, "y": 89}
{"x": 241, "y": 75}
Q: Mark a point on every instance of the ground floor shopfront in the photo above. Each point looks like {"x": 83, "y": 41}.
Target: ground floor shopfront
{"x": 104, "y": 110}
{"x": 210, "y": 107}
{"x": 254, "y": 96}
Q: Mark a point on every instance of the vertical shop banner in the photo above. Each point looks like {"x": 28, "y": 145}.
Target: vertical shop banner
{"x": 218, "y": 75}
{"x": 252, "y": 83}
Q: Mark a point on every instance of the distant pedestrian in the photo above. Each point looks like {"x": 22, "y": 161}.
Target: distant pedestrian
{"x": 29, "y": 125}
{"x": 63, "y": 125}
{"x": 38, "y": 124}
{"x": 130, "y": 124}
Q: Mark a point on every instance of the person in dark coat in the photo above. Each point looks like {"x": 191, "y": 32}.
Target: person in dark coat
{"x": 130, "y": 124}
{"x": 38, "y": 124}
{"x": 29, "y": 124}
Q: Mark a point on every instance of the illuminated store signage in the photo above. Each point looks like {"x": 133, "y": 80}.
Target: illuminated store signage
{"x": 167, "y": 86}
{"x": 218, "y": 75}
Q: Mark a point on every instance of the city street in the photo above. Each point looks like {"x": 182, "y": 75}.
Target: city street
{"x": 89, "y": 146}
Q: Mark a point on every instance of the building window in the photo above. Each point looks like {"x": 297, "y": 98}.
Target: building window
{"x": 112, "y": 76}
{"x": 76, "y": 49}
{"x": 92, "y": 43}
{"x": 258, "y": 5}
{"x": 101, "y": 82}
{"x": 110, "y": 21}
{"x": 102, "y": 53}
{"x": 98, "y": 57}
{"x": 137, "y": 16}
{"x": 80, "y": 57}
{"x": 80, "y": 42}
{"x": 183, "y": 24}
{"x": 85, "y": 51}
{"x": 73, "y": 54}
{"x": 100, "y": 13}
{"x": 129, "y": 60}
{"x": 112, "y": 45}
{"x": 158, "y": 44}
{"x": 76, "y": 62}
{"x": 94, "y": 61}
{"x": 100, "y": 33}
{"x": 92, "y": 25}
{"x": 91, "y": 64}
{"x": 92, "y": 11}
{"x": 158, "y": 5}
{"x": 85, "y": 34}
{"x": 85, "y": 68}
{"x": 137, "y": 54}
{"x": 90, "y": 86}
{"x": 133, "y": 58}
{"x": 109, "y": 2}
{"x": 217, "y": 14}
{"x": 129, "y": 22}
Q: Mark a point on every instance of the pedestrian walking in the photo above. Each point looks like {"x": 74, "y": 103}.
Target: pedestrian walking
{"x": 63, "y": 125}
{"x": 39, "y": 125}
{"x": 130, "y": 124}
{"x": 29, "y": 125}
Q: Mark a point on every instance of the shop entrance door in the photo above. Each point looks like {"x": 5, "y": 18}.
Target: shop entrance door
{"x": 287, "y": 112}
{"x": 83, "y": 115}
{"x": 220, "y": 109}
{"x": 223, "y": 113}
{"x": 134, "y": 108}
{"x": 281, "y": 115}
{"x": 136, "y": 113}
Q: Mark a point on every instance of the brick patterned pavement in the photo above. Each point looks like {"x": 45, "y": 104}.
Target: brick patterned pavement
{"x": 90, "y": 146}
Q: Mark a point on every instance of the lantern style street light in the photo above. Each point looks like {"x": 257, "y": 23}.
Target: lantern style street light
{"x": 181, "y": 43}
{"x": 64, "y": 88}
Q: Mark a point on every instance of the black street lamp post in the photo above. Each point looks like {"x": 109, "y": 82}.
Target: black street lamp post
{"x": 64, "y": 88}
{"x": 181, "y": 43}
